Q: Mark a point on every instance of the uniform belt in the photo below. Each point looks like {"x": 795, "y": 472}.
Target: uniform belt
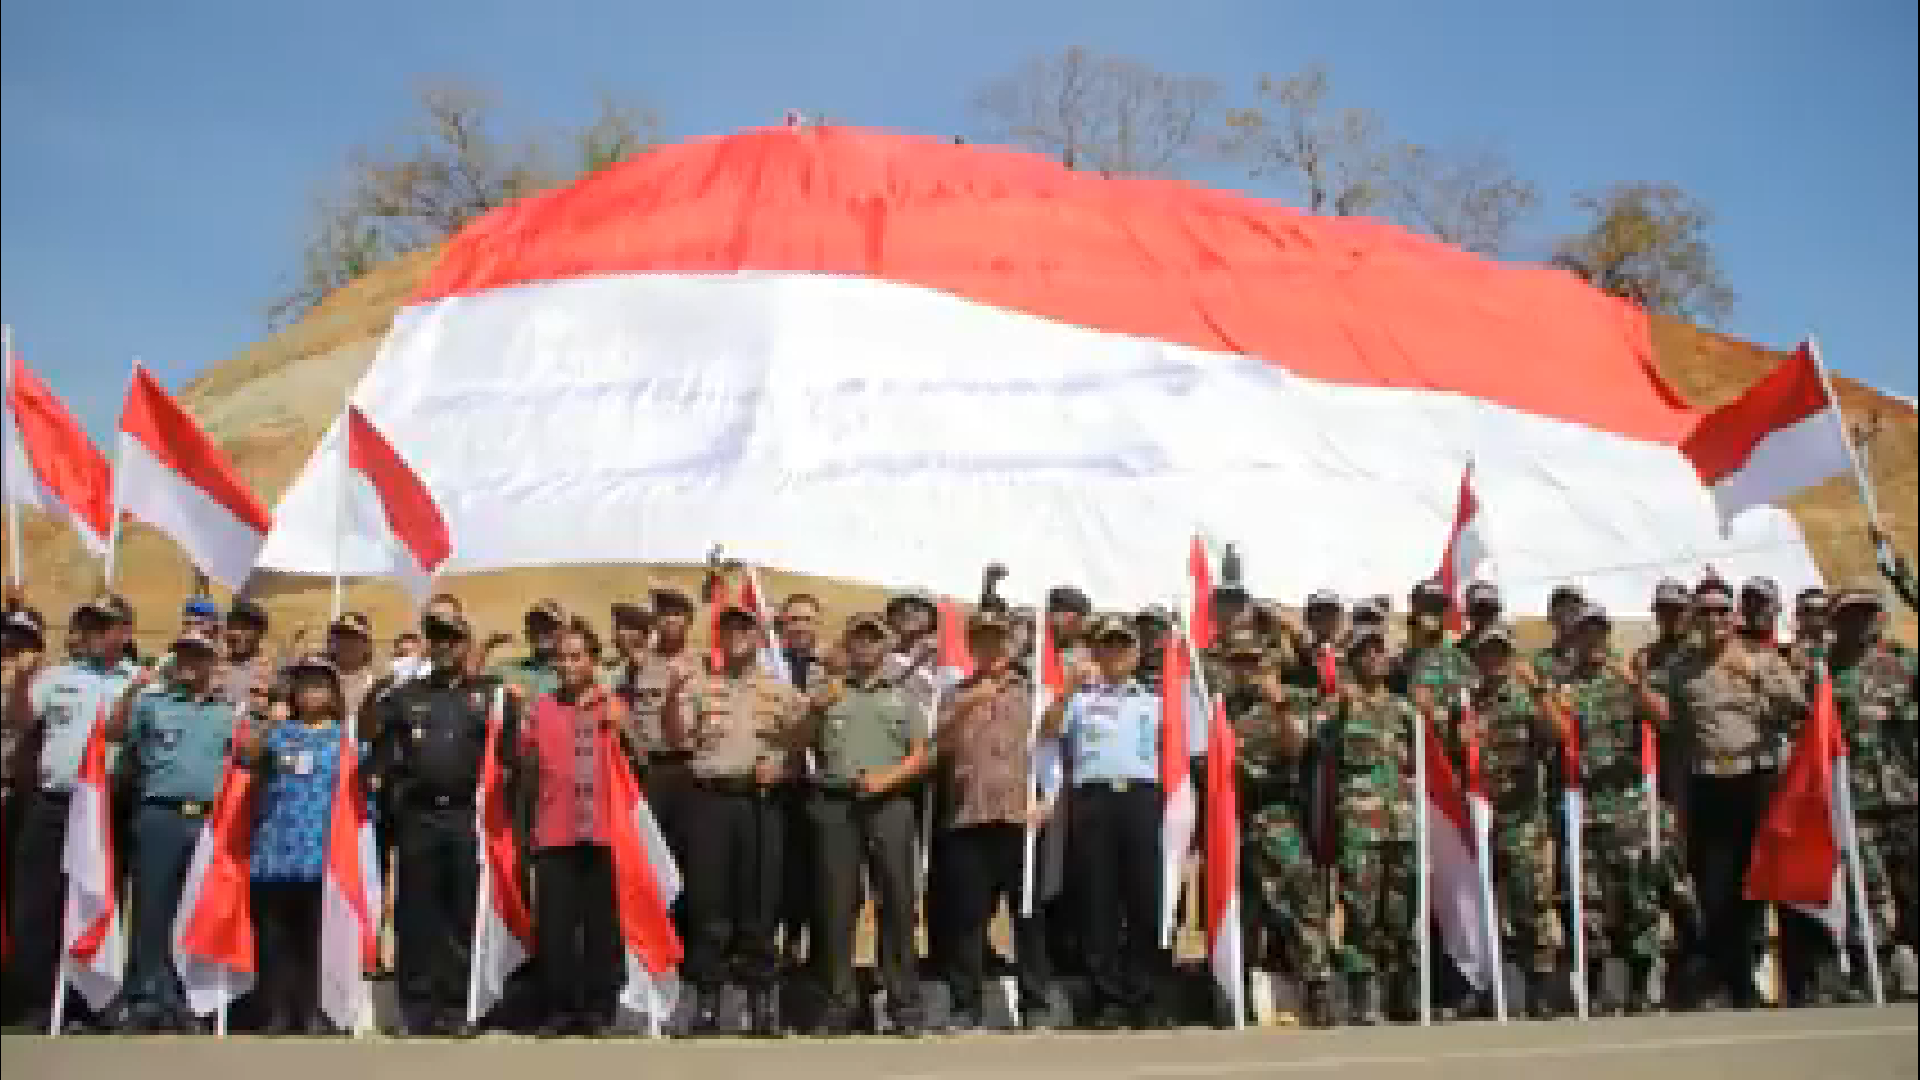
{"x": 192, "y": 808}
{"x": 1117, "y": 786}
{"x": 728, "y": 785}
{"x": 659, "y": 757}
{"x": 1735, "y": 764}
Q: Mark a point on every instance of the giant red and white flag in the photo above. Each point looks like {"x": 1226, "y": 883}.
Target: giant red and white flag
{"x": 1458, "y": 902}
{"x": 1180, "y": 807}
{"x": 50, "y": 464}
{"x": 1226, "y": 954}
{"x": 349, "y": 900}
{"x": 646, "y": 881}
{"x": 170, "y": 475}
{"x": 1466, "y": 550}
{"x": 1785, "y": 433}
{"x": 767, "y": 336}
{"x": 213, "y": 938}
{"x": 91, "y": 935}
{"x": 419, "y": 531}
{"x": 1799, "y": 852}
{"x": 503, "y": 937}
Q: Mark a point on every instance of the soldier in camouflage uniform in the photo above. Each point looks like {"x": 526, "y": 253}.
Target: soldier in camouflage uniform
{"x": 1624, "y": 882}
{"x": 1655, "y": 663}
{"x": 1371, "y": 736}
{"x": 1483, "y": 614}
{"x": 1518, "y": 749}
{"x": 1270, "y": 722}
{"x": 1430, "y": 671}
{"x": 1809, "y": 648}
{"x": 1873, "y": 689}
{"x": 1894, "y": 567}
{"x": 1549, "y": 661}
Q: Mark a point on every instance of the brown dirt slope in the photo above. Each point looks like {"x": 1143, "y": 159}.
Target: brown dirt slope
{"x": 268, "y": 405}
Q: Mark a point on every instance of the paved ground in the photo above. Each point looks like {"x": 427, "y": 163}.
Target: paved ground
{"x": 1828, "y": 1045}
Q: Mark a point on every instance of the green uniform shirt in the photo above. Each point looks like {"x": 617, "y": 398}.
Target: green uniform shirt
{"x": 1874, "y": 696}
{"x": 534, "y": 677}
{"x": 869, "y": 730}
{"x": 176, "y": 745}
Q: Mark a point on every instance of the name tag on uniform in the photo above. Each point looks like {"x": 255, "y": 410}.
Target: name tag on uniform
{"x": 419, "y": 733}
{"x": 303, "y": 763}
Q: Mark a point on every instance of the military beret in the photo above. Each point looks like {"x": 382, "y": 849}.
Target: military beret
{"x": 1068, "y": 600}
{"x": 1565, "y": 594}
{"x": 866, "y": 620}
{"x": 248, "y": 612}
{"x": 1860, "y": 592}
{"x": 1323, "y": 598}
{"x": 629, "y": 613}
{"x": 668, "y": 600}
{"x": 27, "y": 621}
{"x": 200, "y": 607}
{"x": 993, "y": 619}
{"x": 314, "y": 662}
{"x": 547, "y": 609}
{"x": 1243, "y": 642}
{"x": 1670, "y": 592}
{"x": 109, "y": 606}
{"x": 1715, "y": 589}
{"x": 1155, "y": 613}
{"x": 1592, "y": 612}
{"x": 911, "y": 598}
{"x": 735, "y": 611}
{"x": 1369, "y": 611}
{"x": 1761, "y": 586}
{"x": 1111, "y": 627}
{"x": 1813, "y": 599}
{"x": 353, "y": 622}
{"x": 1498, "y": 633}
{"x": 195, "y": 639}
{"x": 1431, "y": 591}
{"x": 445, "y": 627}
{"x": 1366, "y": 634}
{"x": 1483, "y": 594}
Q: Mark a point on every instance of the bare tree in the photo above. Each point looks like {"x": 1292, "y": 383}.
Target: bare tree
{"x": 1650, "y": 243}
{"x": 618, "y": 132}
{"x": 1102, "y": 112}
{"x": 1333, "y": 159}
{"x": 1471, "y": 200}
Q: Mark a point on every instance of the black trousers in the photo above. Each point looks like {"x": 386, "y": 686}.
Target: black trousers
{"x": 579, "y": 947}
{"x": 877, "y": 835}
{"x": 799, "y": 870}
{"x": 436, "y": 874}
{"x": 163, "y": 850}
{"x": 1114, "y": 853}
{"x": 984, "y": 865}
{"x": 37, "y": 893}
{"x": 286, "y": 919}
{"x": 732, "y": 868}
{"x": 1723, "y": 814}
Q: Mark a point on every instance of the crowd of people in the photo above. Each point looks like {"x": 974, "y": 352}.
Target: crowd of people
{"x": 799, "y": 774}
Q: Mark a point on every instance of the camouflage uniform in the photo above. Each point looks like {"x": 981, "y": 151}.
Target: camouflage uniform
{"x": 1875, "y": 698}
{"x": 1516, "y": 764}
{"x": 1371, "y": 738}
{"x": 1624, "y": 883}
{"x": 1290, "y": 895}
{"x": 1436, "y": 675}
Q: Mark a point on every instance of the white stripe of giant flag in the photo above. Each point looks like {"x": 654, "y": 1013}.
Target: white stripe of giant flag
{"x": 816, "y": 340}
{"x": 170, "y": 475}
{"x": 1782, "y": 435}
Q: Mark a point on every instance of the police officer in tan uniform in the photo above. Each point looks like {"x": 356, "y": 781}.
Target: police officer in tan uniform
{"x": 740, "y": 727}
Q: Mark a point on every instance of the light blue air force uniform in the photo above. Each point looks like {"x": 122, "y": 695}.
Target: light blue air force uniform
{"x": 1112, "y": 734}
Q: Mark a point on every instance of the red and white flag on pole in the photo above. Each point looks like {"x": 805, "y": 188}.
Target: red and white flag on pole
{"x": 646, "y": 881}
{"x": 51, "y": 465}
{"x": 413, "y": 518}
{"x": 1785, "y": 433}
{"x": 1458, "y": 902}
{"x": 1180, "y": 807}
{"x": 213, "y": 939}
{"x": 1466, "y": 550}
{"x": 953, "y": 657}
{"x": 1573, "y": 818}
{"x": 1201, "y": 573}
{"x": 349, "y": 900}
{"x": 1226, "y": 955}
{"x": 503, "y": 930}
{"x": 91, "y": 934}
{"x": 1799, "y": 852}
{"x": 170, "y": 475}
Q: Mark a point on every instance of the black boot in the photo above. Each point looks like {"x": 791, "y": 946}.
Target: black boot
{"x": 1403, "y": 998}
{"x": 1639, "y": 987}
{"x": 1601, "y": 1000}
{"x": 1320, "y": 1004}
{"x": 765, "y": 1018}
{"x": 1542, "y": 996}
{"x": 1367, "y": 1007}
{"x": 706, "y": 1013}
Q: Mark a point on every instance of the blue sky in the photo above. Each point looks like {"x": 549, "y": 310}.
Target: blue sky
{"x": 157, "y": 160}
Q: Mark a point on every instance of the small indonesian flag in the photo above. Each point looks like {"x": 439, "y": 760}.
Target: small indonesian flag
{"x": 1202, "y": 576}
{"x": 1454, "y": 845}
{"x": 349, "y": 900}
{"x": 413, "y": 519}
{"x": 1225, "y": 955}
{"x": 1783, "y": 434}
{"x": 1176, "y": 775}
{"x": 213, "y": 939}
{"x": 50, "y": 464}
{"x": 646, "y": 882}
{"x": 1798, "y": 854}
{"x": 954, "y": 658}
{"x": 504, "y": 937}
{"x": 91, "y": 931}
{"x": 172, "y": 476}
{"x": 1465, "y": 551}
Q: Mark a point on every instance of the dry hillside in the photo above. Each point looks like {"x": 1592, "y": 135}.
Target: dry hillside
{"x": 269, "y": 404}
